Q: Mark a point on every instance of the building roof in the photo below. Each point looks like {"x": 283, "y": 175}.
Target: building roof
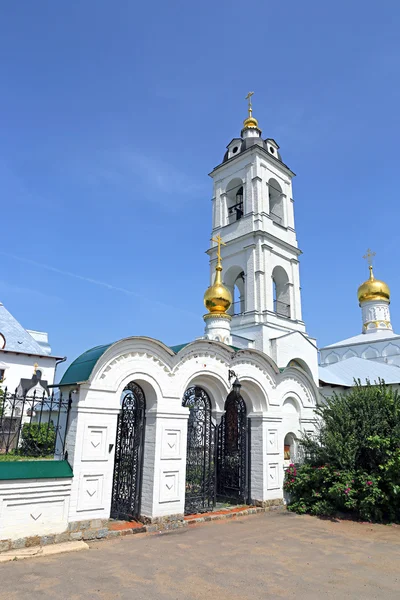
{"x": 17, "y": 338}
{"x": 364, "y": 338}
{"x": 82, "y": 367}
{"x": 344, "y": 372}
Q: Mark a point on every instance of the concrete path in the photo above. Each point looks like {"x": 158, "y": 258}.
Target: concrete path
{"x": 275, "y": 555}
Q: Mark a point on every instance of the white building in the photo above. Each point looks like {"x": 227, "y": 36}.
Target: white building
{"x": 24, "y": 353}
{"x": 371, "y": 355}
{"x": 215, "y": 419}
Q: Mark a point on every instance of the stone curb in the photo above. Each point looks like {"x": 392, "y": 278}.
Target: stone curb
{"x": 80, "y": 532}
{"x": 42, "y": 551}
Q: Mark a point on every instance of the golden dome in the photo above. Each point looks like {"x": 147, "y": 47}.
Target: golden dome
{"x": 217, "y": 298}
{"x": 373, "y": 289}
{"x": 250, "y": 122}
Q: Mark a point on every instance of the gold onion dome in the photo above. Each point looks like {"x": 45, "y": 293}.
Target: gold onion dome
{"x": 217, "y": 298}
{"x": 373, "y": 289}
{"x": 250, "y": 122}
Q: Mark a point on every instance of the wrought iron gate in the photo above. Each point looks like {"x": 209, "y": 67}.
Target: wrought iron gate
{"x": 232, "y": 457}
{"x": 200, "y": 456}
{"x": 129, "y": 455}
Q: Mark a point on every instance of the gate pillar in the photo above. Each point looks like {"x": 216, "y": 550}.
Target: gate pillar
{"x": 164, "y": 464}
{"x": 257, "y": 457}
{"x": 266, "y": 477}
{"x": 90, "y": 444}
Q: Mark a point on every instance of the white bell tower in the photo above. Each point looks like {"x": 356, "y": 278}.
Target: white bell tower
{"x": 253, "y": 213}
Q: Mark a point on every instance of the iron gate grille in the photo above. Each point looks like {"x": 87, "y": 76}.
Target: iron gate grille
{"x": 232, "y": 460}
{"x": 129, "y": 455}
{"x": 200, "y": 456}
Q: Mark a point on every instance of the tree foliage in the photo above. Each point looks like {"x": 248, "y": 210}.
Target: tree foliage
{"x": 353, "y": 461}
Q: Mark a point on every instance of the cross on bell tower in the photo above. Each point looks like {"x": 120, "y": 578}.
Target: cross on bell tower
{"x": 252, "y": 210}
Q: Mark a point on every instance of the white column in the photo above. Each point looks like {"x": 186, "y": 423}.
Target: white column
{"x": 257, "y": 454}
{"x": 273, "y": 488}
{"x": 90, "y": 444}
{"x": 164, "y": 469}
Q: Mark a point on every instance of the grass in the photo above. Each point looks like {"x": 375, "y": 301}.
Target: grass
{"x": 16, "y": 458}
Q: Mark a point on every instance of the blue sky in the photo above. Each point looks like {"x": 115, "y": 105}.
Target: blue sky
{"x": 112, "y": 115}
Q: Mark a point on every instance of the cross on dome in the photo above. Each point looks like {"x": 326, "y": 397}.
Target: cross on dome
{"x": 219, "y": 242}
{"x": 250, "y": 122}
{"x": 369, "y": 257}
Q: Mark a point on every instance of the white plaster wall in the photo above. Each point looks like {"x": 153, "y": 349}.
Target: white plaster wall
{"x": 30, "y": 507}
{"x": 387, "y": 349}
{"x": 21, "y": 366}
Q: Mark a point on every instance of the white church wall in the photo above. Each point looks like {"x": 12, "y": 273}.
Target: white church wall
{"x": 21, "y": 366}
{"x": 385, "y": 350}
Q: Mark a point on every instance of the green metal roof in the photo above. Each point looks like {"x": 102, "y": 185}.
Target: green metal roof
{"x": 82, "y": 367}
{"x": 178, "y": 348}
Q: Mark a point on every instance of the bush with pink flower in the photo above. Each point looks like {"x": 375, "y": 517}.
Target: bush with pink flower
{"x": 353, "y": 463}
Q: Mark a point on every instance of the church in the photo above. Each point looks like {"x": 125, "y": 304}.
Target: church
{"x": 371, "y": 355}
{"x": 164, "y": 431}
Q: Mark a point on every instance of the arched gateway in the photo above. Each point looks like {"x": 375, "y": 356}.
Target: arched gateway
{"x": 127, "y": 481}
{"x": 232, "y": 451}
{"x": 200, "y": 454}
{"x": 217, "y": 456}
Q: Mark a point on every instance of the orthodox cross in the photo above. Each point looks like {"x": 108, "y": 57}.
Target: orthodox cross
{"x": 369, "y": 256}
{"x": 248, "y": 98}
{"x": 218, "y": 240}
{"x": 35, "y": 366}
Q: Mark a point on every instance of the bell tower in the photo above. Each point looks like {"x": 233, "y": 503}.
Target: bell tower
{"x": 252, "y": 211}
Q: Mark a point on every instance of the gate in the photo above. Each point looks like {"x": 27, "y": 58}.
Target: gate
{"x": 200, "y": 455}
{"x": 232, "y": 457}
{"x": 129, "y": 455}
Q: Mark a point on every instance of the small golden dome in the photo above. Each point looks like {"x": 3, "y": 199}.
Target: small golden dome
{"x": 373, "y": 289}
{"x": 217, "y": 298}
{"x": 250, "y": 122}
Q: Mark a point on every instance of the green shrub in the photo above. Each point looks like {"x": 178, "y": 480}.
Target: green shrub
{"x": 353, "y": 462}
{"x": 38, "y": 439}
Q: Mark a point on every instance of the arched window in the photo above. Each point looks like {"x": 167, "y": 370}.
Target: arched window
{"x": 275, "y": 202}
{"x": 238, "y": 295}
{"x": 289, "y": 448}
{"x": 281, "y": 293}
{"x": 234, "y": 197}
{"x": 235, "y": 281}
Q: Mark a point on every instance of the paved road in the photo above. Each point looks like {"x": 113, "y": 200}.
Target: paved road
{"x": 277, "y": 555}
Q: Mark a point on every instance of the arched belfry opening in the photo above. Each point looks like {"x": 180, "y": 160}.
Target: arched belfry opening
{"x": 200, "y": 453}
{"x": 232, "y": 451}
{"x": 234, "y": 199}
{"x": 275, "y": 195}
{"x": 235, "y": 282}
{"x": 129, "y": 446}
{"x": 238, "y": 305}
{"x": 281, "y": 292}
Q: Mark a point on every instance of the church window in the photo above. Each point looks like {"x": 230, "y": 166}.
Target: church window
{"x": 281, "y": 293}
{"x": 275, "y": 201}
{"x": 289, "y": 447}
{"x": 2, "y": 371}
{"x": 235, "y": 149}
